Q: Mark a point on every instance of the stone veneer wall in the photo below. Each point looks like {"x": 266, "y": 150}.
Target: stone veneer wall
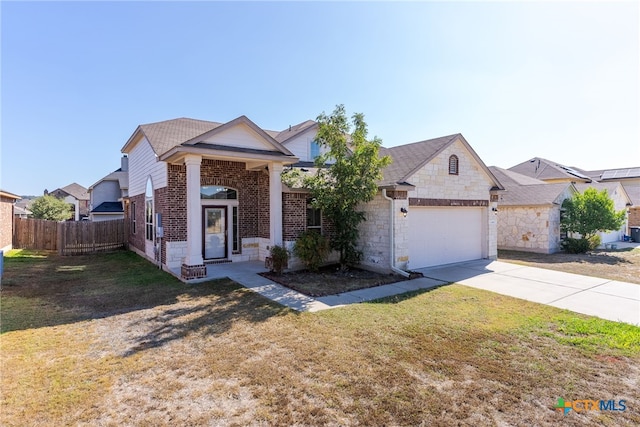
{"x": 533, "y": 229}
{"x": 374, "y": 234}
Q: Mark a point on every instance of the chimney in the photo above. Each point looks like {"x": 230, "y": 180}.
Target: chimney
{"x": 124, "y": 164}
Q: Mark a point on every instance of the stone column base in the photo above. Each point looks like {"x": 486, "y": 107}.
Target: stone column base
{"x": 189, "y": 272}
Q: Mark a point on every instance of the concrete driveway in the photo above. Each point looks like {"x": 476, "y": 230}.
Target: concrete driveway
{"x": 604, "y": 298}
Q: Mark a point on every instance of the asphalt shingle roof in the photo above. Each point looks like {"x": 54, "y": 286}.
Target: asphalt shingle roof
{"x": 408, "y": 158}
{"x": 76, "y": 190}
{"x": 165, "y": 135}
{"x": 523, "y": 191}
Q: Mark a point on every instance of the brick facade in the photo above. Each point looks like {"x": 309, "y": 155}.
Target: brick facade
{"x": 6, "y": 222}
{"x": 294, "y": 215}
{"x": 634, "y": 217}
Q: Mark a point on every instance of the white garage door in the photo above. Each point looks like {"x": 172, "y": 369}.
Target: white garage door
{"x": 444, "y": 235}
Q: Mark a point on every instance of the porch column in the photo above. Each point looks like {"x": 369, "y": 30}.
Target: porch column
{"x": 193, "y": 266}
{"x": 275, "y": 203}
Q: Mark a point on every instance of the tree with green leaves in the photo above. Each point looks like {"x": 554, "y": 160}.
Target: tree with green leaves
{"x": 588, "y": 213}
{"x": 51, "y": 208}
{"x": 346, "y": 177}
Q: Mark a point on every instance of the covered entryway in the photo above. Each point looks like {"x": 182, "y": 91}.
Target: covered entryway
{"x": 444, "y": 235}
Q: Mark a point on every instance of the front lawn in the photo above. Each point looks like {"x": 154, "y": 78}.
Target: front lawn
{"x": 110, "y": 340}
{"x": 614, "y": 264}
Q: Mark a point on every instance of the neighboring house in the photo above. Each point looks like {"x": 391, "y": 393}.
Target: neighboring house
{"x": 20, "y": 212}
{"x": 627, "y": 197}
{"x": 548, "y": 171}
{"x": 621, "y": 201}
{"x": 7, "y": 201}
{"x": 107, "y": 195}
{"x": 630, "y": 180}
{"x": 76, "y": 195}
{"x": 216, "y": 191}
{"x": 529, "y": 212}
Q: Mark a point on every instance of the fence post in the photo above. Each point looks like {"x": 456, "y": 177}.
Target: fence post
{"x": 60, "y": 238}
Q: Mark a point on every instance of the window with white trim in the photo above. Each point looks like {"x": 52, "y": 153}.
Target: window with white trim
{"x": 149, "y": 233}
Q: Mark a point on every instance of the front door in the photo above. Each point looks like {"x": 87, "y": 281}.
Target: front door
{"x": 215, "y": 232}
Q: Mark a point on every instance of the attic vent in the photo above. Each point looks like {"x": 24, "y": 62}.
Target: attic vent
{"x": 453, "y": 165}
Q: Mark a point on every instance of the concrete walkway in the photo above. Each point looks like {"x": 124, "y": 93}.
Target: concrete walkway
{"x": 607, "y": 299}
{"x": 604, "y": 298}
{"x": 246, "y": 274}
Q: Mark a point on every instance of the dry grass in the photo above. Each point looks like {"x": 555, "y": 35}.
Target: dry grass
{"x": 620, "y": 264}
{"x": 162, "y": 353}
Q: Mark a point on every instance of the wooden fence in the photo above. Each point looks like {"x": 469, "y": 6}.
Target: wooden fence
{"x": 70, "y": 237}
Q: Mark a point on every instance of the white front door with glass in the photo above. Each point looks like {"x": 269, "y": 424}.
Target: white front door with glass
{"x": 215, "y": 232}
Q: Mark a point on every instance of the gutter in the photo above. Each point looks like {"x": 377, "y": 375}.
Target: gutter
{"x": 392, "y": 248}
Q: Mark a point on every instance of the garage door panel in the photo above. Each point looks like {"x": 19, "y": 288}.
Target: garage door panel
{"x": 444, "y": 235}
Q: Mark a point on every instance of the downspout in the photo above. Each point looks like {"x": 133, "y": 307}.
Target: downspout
{"x": 392, "y": 233}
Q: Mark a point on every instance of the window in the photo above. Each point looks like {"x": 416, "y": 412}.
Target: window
{"x": 314, "y": 150}
{"x": 453, "y": 165}
{"x": 236, "y": 231}
{"x": 133, "y": 217}
{"x": 218, "y": 193}
{"x": 314, "y": 218}
{"x": 148, "y": 211}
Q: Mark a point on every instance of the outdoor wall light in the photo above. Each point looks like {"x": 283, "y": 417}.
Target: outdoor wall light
{"x": 494, "y": 209}
{"x": 404, "y": 211}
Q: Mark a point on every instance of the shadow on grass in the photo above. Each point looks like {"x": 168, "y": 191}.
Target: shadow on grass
{"x": 595, "y": 257}
{"x": 54, "y": 290}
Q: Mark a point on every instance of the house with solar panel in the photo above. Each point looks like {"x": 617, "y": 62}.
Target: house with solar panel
{"x": 531, "y": 207}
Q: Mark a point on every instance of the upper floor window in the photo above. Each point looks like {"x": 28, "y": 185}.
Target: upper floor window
{"x": 217, "y": 192}
{"x": 314, "y": 149}
{"x": 453, "y": 165}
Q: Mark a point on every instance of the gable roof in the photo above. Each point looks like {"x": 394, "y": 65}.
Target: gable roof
{"x": 609, "y": 186}
{"x": 163, "y": 136}
{"x": 76, "y": 190}
{"x": 294, "y": 131}
{"x": 544, "y": 169}
{"x": 525, "y": 191}
{"x": 633, "y": 190}
{"x": 9, "y": 195}
{"x": 409, "y": 158}
{"x": 184, "y": 132}
{"x": 118, "y": 175}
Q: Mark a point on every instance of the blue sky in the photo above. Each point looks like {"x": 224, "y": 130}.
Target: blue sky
{"x": 518, "y": 80}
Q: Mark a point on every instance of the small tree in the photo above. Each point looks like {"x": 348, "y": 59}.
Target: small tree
{"x": 588, "y": 213}
{"x": 51, "y": 208}
{"x": 347, "y": 176}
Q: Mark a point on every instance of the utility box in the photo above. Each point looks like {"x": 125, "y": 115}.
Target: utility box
{"x": 635, "y": 234}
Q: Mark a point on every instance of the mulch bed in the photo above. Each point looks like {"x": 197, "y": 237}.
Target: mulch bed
{"x": 329, "y": 280}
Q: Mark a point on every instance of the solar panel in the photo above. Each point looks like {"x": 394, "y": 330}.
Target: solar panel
{"x": 621, "y": 173}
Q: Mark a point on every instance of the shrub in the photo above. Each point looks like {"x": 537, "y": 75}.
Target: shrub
{"x": 580, "y": 246}
{"x": 312, "y": 248}
{"x": 279, "y": 258}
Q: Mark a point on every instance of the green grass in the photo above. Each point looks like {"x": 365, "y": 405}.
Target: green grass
{"x": 112, "y": 340}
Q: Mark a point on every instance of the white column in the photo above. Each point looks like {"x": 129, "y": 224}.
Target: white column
{"x": 194, "y": 214}
{"x": 275, "y": 203}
